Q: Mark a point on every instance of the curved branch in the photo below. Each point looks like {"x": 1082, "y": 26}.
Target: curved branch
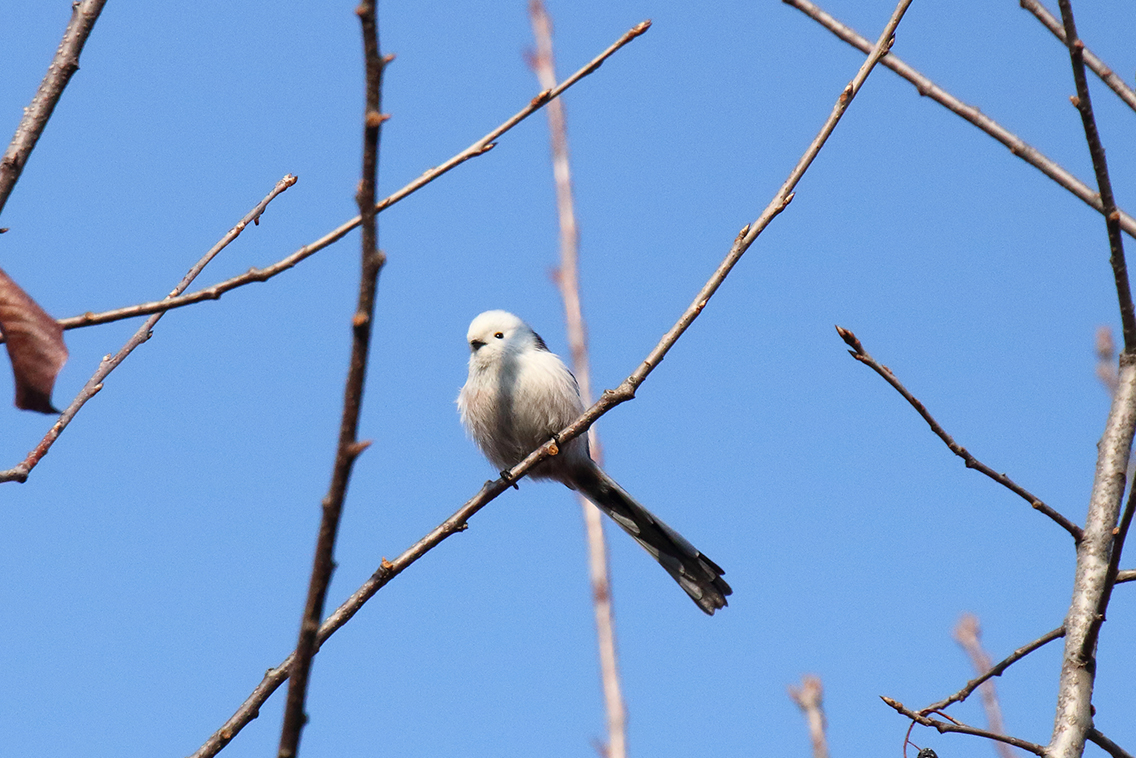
{"x": 928, "y": 88}
{"x": 859, "y": 353}
{"x": 959, "y": 728}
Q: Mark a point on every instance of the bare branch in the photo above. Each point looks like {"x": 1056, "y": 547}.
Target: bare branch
{"x": 63, "y": 66}
{"x": 486, "y": 143}
{"x": 568, "y": 280}
{"x": 809, "y": 698}
{"x": 349, "y": 446}
{"x": 250, "y": 709}
{"x": 1106, "y": 74}
{"x": 780, "y": 201}
{"x": 481, "y": 147}
{"x": 387, "y": 571}
{"x": 1120, "y": 535}
{"x": 1104, "y": 743}
{"x": 996, "y": 670}
{"x": 929, "y": 89}
{"x": 1091, "y": 580}
{"x": 859, "y": 353}
{"x": 1084, "y": 105}
{"x": 959, "y": 728}
{"x": 1095, "y": 572}
{"x": 1128, "y": 575}
{"x": 967, "y": 634}
{"x": 19, "y": 473}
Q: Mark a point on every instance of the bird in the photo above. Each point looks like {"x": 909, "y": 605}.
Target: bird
{"x": 518, "y": 396}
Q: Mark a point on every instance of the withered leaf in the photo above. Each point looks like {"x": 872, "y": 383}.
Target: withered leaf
{"x": 35, "y": 346}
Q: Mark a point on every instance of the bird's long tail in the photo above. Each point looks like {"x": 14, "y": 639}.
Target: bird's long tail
{"x": 699, "y": 576}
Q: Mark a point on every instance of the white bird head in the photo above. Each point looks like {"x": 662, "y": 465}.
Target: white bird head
{"x": 494, "y": 334}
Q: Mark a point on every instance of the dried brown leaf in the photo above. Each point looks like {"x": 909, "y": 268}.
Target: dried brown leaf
{"x": 35, "y": 346}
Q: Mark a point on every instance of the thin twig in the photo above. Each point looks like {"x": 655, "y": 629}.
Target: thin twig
{"x": 961, "y": 728}
{"x": 996, "y": 670}
{"x": 1084, "y": 104}
{"x": 750, "y": 232}
{"x": 1106, "y": 74}
{"x": 1104, "y": 743}
{"x": 568, "y": 280}
{"x": 976, "y": 117}
{"x": 482, "y": 146}
{"x": 1128, "y": 575}
{"x": 1092, "y": 583}
{"x": 809, "y": 697}
{"x": 967, "y": 635}
{"x": 19, "y": 473}
{"x": 859, "y": 353}
{"x": 63, "y": 66}
{"x": 250, "y": 709}
{"x": 349, "y": 446}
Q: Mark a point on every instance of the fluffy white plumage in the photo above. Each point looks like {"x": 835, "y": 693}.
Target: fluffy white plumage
{"x": 518, "y": 395}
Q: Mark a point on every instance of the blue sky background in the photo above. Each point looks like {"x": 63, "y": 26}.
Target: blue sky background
{"x": 155, "y": 564}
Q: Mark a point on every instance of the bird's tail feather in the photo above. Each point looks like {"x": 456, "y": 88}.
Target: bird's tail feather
{"x": 699, "y": 576}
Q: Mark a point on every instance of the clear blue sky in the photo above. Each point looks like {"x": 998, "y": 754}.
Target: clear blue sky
{"x": 155, "y": 563}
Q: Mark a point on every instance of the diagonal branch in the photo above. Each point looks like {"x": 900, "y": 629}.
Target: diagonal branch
{"x": 1104, "y": 743}
{"x": 1084, "y": 105}
{"x": 995, "y": 670}
{"x": 780, "y": 201}
{"x": 349, "y": 446}
{"x": 859, "y": 353}
{"x": 250, "y": 709}
{"x": 1106, "y": 74}
{"x": 967, "y": 634}
{"x": 960, "y": 728}
{"x": 63, "y": 66}
{"x": 20, "y": 472}
{"x": 386, "y": 572}
{"x": 976, "y": 117}
{"x": 480, "y": 147}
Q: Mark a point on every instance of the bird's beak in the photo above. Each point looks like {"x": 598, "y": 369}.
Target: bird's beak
{"x": 475, "y": 345}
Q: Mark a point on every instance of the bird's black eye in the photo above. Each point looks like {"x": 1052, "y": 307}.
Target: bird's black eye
{"x": 500, "y": 335}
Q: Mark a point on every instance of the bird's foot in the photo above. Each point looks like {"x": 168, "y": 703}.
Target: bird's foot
{"x": 509, "y": 480}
